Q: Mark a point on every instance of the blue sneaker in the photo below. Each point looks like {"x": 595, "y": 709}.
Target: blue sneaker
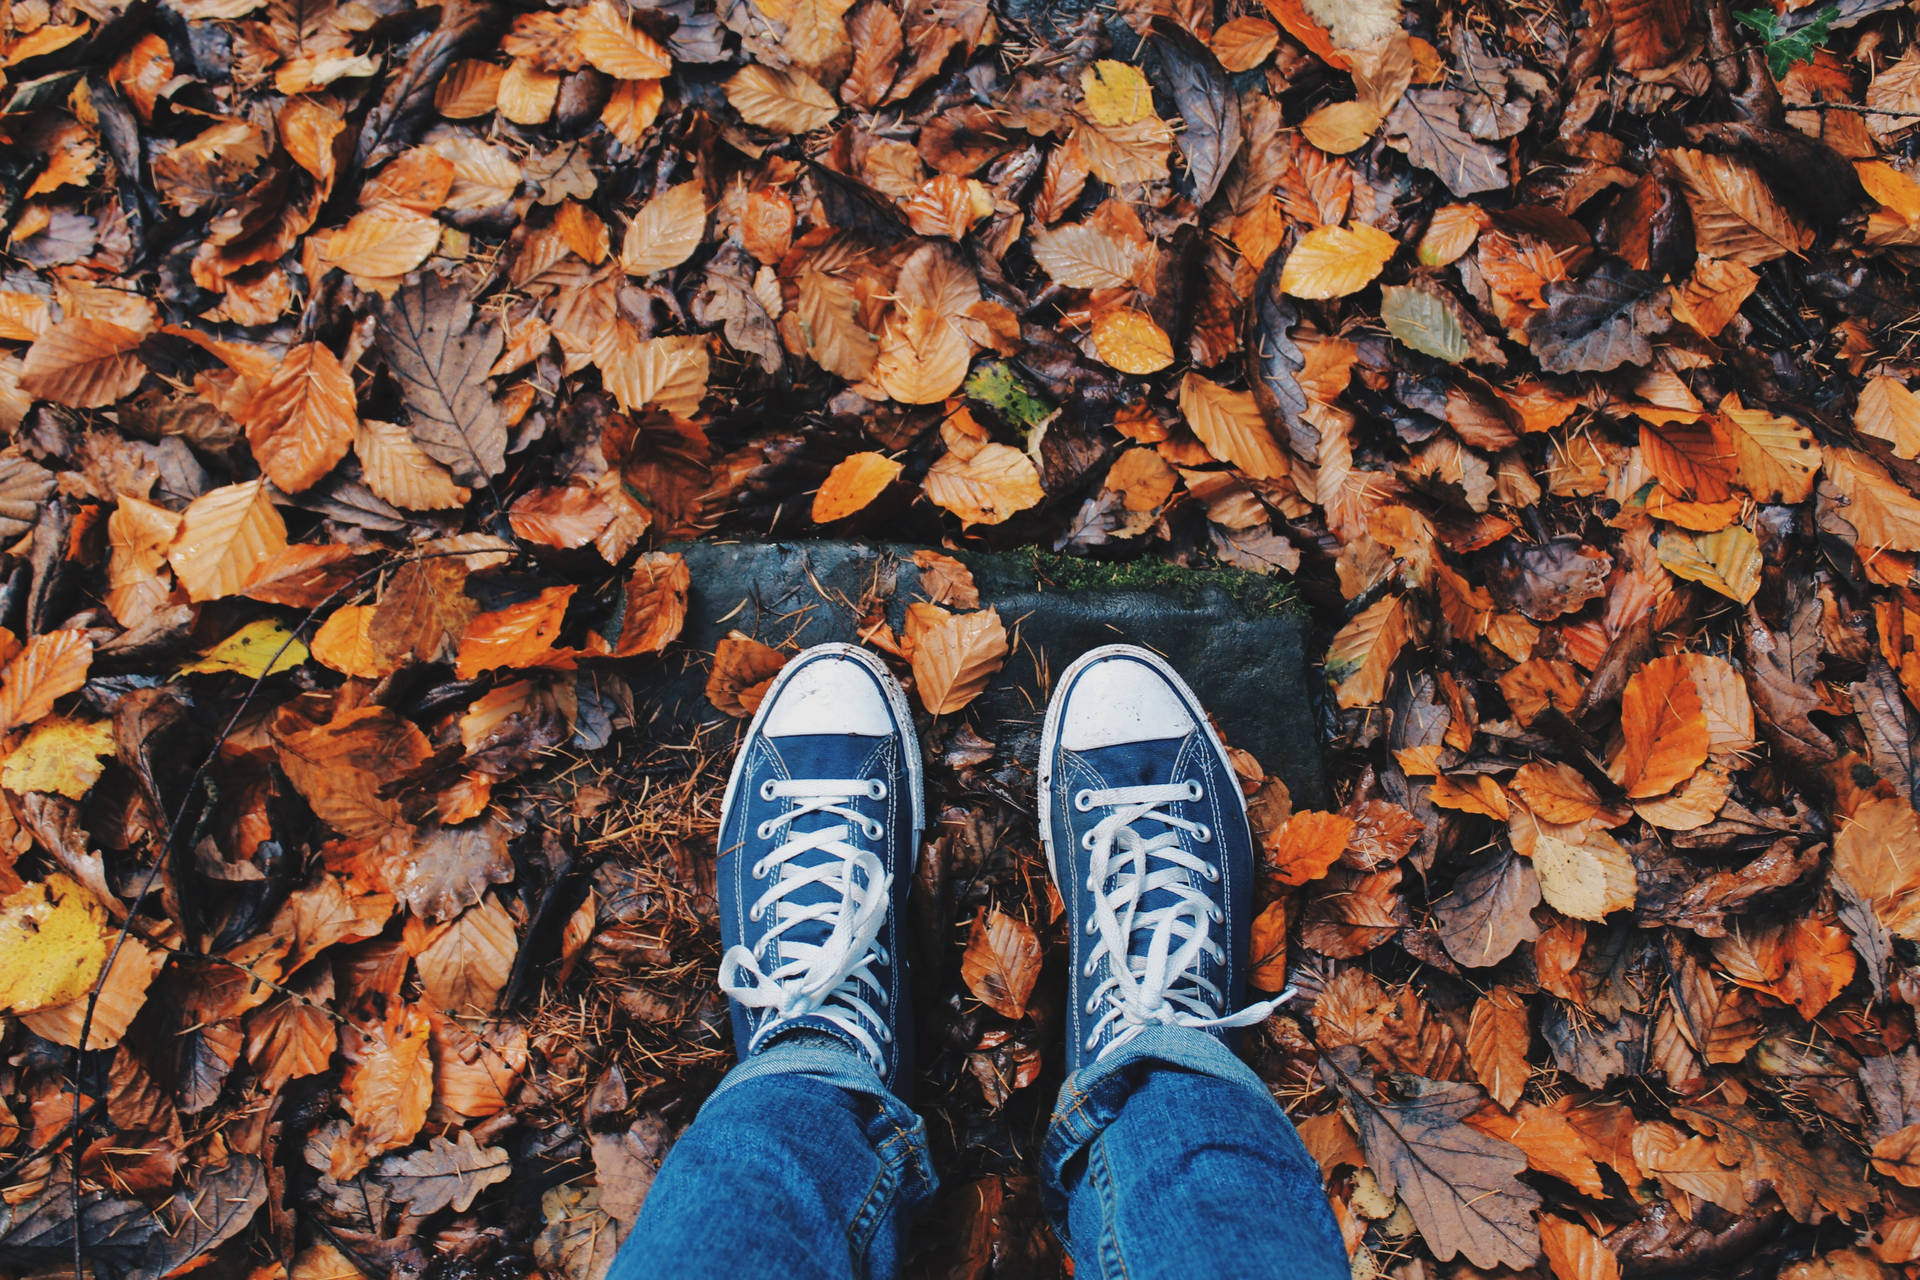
{"x": 1147, "y": 839}
{"x": 819, "y": 833}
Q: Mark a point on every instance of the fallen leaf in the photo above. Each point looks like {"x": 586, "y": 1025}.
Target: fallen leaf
{"x": 1663, "y": 730}
{"x": 1001, "y": 963}
{"x": 1332, "y": 262}
{"x": 953, "y": 660}
{"x": 445, "y": 1174}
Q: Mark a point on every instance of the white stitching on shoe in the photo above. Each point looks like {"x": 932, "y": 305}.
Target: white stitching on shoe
{"x": 1159, "y": 987}
{"x": 826, "y": 979}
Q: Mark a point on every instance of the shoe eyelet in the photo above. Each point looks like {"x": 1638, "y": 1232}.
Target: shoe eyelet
{"x": 1083, "y": 800}
{"x": 1086, "y": 842}
{"x": 1086, "y": 970}
{"x": 754, "y": 913}
{"x": 1211, "y": 872}
{"x": 879, "y": 955}
{"x": 876, "y": 790}
{"x": 766, "y": 789}
{"x": 1092, "y": 1006}
{"x": 1204, "y": 834}
{"x": 1193, "y": 790}
{"x": 764, "y": 831}
{"x": 1092, "y": 928}
{"x": 1215, "y": 914}
{"x": 759, "y": 870}
{"x": 875, "y": 830}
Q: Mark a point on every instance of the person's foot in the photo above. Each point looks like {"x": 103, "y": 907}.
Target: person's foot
{"x": 818, "y": 836}
{"x": 1147, "y": 839}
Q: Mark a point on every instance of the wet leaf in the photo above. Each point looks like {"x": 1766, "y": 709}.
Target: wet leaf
{"x": 1001, "y": 963}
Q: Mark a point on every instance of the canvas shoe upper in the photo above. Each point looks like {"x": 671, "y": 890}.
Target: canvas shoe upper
{"x": 819, "y": 832}
{"x": 1147, "y": 838}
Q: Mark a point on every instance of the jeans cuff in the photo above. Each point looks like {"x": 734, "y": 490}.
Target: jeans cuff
{"x": 821, "y": 1056}
{"x": 1091, "y": 1097}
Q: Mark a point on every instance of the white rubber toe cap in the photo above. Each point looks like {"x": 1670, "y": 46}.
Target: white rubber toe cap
{"x": 1119, "y": 700}
{"x": 829, "y": 694}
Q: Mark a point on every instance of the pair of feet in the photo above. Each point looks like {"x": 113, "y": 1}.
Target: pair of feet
{"x": 1143, "y": 821}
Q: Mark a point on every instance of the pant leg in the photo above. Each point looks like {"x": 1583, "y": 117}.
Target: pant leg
{"x": 801, "y": 1164}
{"x": 1169, "y": 1158}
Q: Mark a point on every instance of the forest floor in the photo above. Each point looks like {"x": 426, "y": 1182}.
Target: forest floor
{"x": 377, "y": 381}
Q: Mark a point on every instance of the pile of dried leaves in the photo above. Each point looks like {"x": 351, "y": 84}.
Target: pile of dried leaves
{"x": 357, "y": 359}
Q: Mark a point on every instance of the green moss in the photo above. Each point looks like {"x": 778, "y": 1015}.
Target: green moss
{"x": 1256, "y": 593}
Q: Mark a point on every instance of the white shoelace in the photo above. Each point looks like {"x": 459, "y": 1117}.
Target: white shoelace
{"x": 1160, "y": 987}
{"x": 832, "y": 980}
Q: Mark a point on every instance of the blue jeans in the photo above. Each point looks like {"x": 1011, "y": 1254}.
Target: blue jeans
{"x": 1166, "y": 1158}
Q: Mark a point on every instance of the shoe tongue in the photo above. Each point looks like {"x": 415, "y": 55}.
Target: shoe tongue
{"x": 832, "y": 755}
{"x": 1141, "y": 765}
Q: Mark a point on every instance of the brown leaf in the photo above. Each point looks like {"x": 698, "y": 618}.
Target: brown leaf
{"x": 301, "y": 421}
{"x": 386, "y": 1088}
{"x": 1498, "y": 1038}
{"x": 48, "y": 668}
{"x": 988, "y": 486}
{"x": 655, "y": 604}
{"x": 225, "y": 535}
{"x": 445, "y": 1174}
{"x": 1001, "y": 963}
{"x": 83, "y": 363}
{"x": 1458, "y": 1184}
{"x": 953, "y": 660}
{"x": 340, "y": 767}
{"x": 743, "y": 668}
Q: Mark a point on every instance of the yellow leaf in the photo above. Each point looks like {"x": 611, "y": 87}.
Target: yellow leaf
{"x": 780, "y": 101}
{"x": 1584, "y": 873}
{"x": 1890, "y": 412}
{"x": 123, "y": 992}
{"x": 1116, "y": 93}
{"x": 261, "y": 648}
{"x": 853, "y": 483}
{"x": 1332, "y": 262}
{"x": 1340, "y": 127}
{"x": 527, "y": 94}
{"x": 666, "y": 231}
{"x": 1131, "y": 342}
{"x": 223, "y": 535}
{"x": 1727, "y": 561}
{"x": 59, "y": 755}
{"x": 53, "y": 944}
{"x": 1777, "y": 457}
{"x": 612, "y": 44}
{"x": 386, "y": 240}
{"x": 1230, "y": 424}
{"x": 344, "y": 642}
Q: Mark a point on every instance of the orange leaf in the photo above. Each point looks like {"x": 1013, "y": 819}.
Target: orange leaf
{"x": 1498, "y": 1037}
{"x": 853, "y": 483}
{"x": 1230, "y": 424}
{"x": 1307, "y": 846}
{"x": 613, "y": 45}
{"x": 1131, "y": 342}
{"x": 1663, "y": 730}
{"x": 1001, "y": 963}
{"x": 1332, "y": 262}
{"x": 520, "y": 635}
{"x": 1268, "y": 948}
{"x": 566, "y": 516}
{"x": 742, "y": 670}
{"x": 656, "y": 604}
{"x": 51, "y": 666}
{"x": 1244, "y": 43}
{"x": 953, "y": 660}
{"x": 300, "y": 422}
{"x": 1574, "y": 1252}
{"x": 1293, "y": 15}
{"x": 386, "y": 1088}
{"x": 83, "y": 363}
{"x": 344, "y": 642}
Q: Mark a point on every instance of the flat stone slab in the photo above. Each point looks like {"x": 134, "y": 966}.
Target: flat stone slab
{"x": 1236, "y": 638}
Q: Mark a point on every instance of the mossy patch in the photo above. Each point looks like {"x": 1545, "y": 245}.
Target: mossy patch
{"x": 1254, "y": 592}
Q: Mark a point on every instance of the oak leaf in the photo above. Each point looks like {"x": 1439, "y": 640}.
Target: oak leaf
{"x": 445, "y": 1174}
{"x": 1459, "y": 1184}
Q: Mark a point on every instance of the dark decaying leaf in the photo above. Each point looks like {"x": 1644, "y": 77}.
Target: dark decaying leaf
{"x": 1601, "y": 321}
{"x": 1273, "y": 360}
{"x": 1208, "y": 106}
{"x": 1426, "y": 125}
{"x": 1458, "y": 1183}
{"x": 1490, "y": 910}
{"x": 440, "y": 355}
{"x": 444, "y": 1174}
